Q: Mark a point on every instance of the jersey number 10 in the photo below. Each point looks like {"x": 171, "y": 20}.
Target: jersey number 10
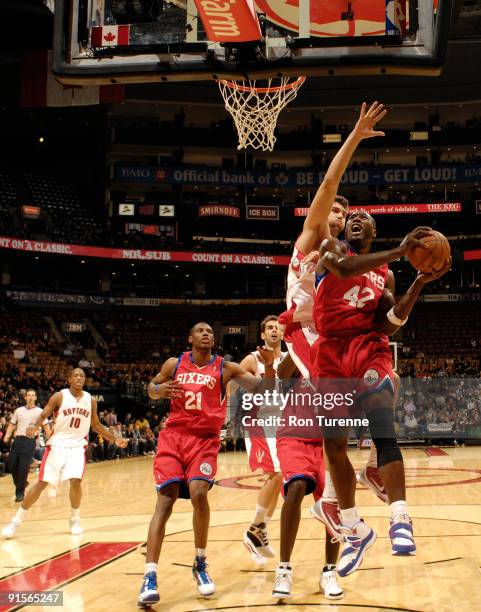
{"x": 74, "y": 422}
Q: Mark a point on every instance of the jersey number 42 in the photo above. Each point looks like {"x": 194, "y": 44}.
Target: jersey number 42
{"x": 357, "y": 298}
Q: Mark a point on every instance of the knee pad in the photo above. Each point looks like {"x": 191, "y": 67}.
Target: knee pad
{"x": 388, "y": 451}
{"x": 381, "y": 424}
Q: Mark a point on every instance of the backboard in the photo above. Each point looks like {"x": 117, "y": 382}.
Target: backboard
{"x": 139, "y": 41}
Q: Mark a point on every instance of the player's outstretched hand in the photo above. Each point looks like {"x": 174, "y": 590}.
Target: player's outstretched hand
{"x": 310, "y": 261}
{"x": 121, "y": 442}
{"x": 428, "y": 277}
{"x": 266, "y": 355}
{"x": 414, "y": 239}
{"x": 365, "y": 126}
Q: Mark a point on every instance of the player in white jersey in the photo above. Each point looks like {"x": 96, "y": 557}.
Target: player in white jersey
{"x": 76, "y": 412}
{"x": 261, "y": 449}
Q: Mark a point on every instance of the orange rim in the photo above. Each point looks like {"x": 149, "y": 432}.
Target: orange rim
{"x": 295, "y": 84}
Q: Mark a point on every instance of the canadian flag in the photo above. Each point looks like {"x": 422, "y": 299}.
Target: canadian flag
{"x": 109, "y": 36}
{"x": 41, "y": 88}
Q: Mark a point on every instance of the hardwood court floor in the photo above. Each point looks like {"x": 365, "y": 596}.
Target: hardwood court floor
{"x": 102, "y": 570}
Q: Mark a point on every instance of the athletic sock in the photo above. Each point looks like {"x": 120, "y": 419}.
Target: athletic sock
{"x": 329, "y": 490}
{"x": 329, "y": 567}
{"x": 18, "y": 518}
{"x": 349, "y": 517}
{"x": 285, "y": 565}
{"x": 399, "y": 507}
{"x": 75, "y": 513}
{"x": 268, "y": 519}
{"x": 260, "y": 516}
{"x": 200, "y": 552}
{"x": 150, "y": 567}
{"x": 372, "y": 461}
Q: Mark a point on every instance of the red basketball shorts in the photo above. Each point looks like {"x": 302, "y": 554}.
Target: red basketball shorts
{"x": 299, "y": 339}
{"x": 182, "y": 457}
{"x": 365, "y": 359}
{"x": 302, "y": 460}
{"x": 261, "y": 450}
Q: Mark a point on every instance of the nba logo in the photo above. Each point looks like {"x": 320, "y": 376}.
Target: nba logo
{"x": 396, "y": 18}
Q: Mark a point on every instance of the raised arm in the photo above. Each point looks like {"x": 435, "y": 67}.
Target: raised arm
{"x": 315, "y": 228}
{"x": 102, "y": 430}
{"x": 335, "y": 259}
{"x": 52, "y": 406}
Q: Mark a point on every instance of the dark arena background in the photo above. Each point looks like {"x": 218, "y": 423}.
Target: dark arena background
{"x": 128, "y": 213}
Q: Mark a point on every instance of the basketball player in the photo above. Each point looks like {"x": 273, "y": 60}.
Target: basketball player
{"x": 23, "y": 447}
{"x": 302, "y": 464}
{"x": 326, "y": 218}
{"x": 261, "y": 449}
{"x": 354, "y": 288}
{"x": 186, "y": 460}
{"x": 76, "y": 412}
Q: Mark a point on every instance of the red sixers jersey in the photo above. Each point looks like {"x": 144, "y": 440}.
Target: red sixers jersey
{"x": 202, "y": 409}
{"x": 348, "y": 306}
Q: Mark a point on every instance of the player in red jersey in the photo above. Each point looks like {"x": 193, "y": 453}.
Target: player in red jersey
{"x": 326, "y": 218}
{"x": 261, "y": 449}
{"x": 186, "y": 460}
{"x": 301, "y": 459}
{"x": 351, "y": 318}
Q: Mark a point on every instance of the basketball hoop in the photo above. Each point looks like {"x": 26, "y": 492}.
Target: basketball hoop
{"x": 255, "y": 109}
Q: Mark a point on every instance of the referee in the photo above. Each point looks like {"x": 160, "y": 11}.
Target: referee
{"x": 23, "y": 447}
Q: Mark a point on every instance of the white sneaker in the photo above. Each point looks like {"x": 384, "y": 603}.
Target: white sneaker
{"x": 75, "y": 528}
{"x": 256, "y": 540}
{"x": 328, "y": 585}
{"x": 327, "y": 511}
{"x": 356, "y": 542}
{"x": 283, "y": 584}
{"x": 9, "y": 531}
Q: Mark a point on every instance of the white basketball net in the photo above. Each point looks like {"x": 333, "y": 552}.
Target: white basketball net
{"x": 255, "y": 109}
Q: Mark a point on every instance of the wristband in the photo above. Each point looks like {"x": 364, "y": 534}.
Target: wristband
{"x": 392, "y": 318}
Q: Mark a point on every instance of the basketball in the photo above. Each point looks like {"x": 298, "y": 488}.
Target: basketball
{"x": 434, "y": 258}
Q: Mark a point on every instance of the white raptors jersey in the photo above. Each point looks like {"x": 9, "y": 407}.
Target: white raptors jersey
{"x": 300, "y": 287}
{"x": 260, "y": 371}
{"x": 73, "y": 420}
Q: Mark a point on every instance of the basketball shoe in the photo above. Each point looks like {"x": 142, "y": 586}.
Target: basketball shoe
{"x": 205, "y": 584}
{"x": 328, "y": 583}
{"x": 369, "y": 476}
{"x": 327, "y": 511}
{"x": 74, "y": 527}
{"x": 148, "y": 593}
{"x": 9, "y": 531}
{"x": 283, "y": 583}
{"x": 256, "y": 540}
{"x": 357, "y": 540}
{"x": 401, "y": 534}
